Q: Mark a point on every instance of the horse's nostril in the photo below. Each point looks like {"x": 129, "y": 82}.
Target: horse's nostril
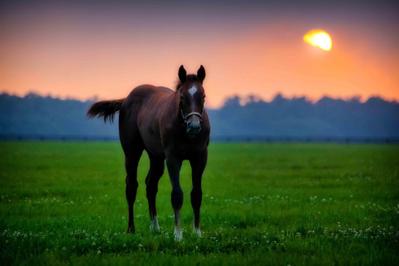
{"x": 193, "y": 124}
{"x": 194, "y": 128}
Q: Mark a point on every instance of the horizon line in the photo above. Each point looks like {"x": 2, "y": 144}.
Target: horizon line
{"x": 243, "y": 99}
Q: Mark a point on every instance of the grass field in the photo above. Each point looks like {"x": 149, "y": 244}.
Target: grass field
{"x": 284, "y": 204}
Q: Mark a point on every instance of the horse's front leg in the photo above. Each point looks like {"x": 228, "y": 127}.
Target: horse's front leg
{"x": 198, "y": 164}
{"x": 174, "y": 166}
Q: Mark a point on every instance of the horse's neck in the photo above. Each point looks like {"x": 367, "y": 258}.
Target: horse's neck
{"x": 173, "y": 107}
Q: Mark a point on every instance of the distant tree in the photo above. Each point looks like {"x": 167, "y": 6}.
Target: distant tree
{"x": 35, "y": 115}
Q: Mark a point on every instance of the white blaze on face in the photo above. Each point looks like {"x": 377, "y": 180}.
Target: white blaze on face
{"x": 192, "y": 90}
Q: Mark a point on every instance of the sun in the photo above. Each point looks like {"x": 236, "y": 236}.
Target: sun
{"x": 318, "y": 38}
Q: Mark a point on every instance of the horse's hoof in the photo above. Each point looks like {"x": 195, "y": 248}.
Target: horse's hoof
{"x": 197, "y": 231}
{"x": 154, "y": 226}
{"x": 130, "y": 230}
{"x": 178, "y": 234}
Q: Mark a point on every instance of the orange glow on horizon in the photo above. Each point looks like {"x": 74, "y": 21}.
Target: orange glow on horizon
{"x": 236, "y": 64}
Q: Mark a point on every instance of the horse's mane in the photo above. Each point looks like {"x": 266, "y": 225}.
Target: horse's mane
{"x": 190, "y": 78}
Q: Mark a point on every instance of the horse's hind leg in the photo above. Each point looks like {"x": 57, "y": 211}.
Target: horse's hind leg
{"x": 131, "y": 162}
{"x": 133, "y": 147}
{"x": 152, "y": 179}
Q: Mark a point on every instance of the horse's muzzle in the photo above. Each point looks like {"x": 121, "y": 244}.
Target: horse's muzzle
{"x": 193, "y": 126}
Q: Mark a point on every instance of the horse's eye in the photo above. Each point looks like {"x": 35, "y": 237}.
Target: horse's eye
{"x": 182, "y": 99}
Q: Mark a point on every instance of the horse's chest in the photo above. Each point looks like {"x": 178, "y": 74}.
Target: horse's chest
{"x": 182, "y": 150}
{"x": 186, "y": 149}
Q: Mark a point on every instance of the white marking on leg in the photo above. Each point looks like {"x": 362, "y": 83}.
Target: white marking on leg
{"x": 192, "y": 90}
{"x": 178, "y": 233}
{"x": 197, "y": 231}
{"x": 154, "y": 225}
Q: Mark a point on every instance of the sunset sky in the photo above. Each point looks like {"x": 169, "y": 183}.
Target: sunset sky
{"x": 82, "y": 49}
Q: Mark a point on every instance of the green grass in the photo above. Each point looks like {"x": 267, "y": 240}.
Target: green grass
{"x": 297, "y": 204}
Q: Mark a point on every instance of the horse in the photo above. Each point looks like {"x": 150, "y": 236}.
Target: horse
{"x": 170, "y": 125}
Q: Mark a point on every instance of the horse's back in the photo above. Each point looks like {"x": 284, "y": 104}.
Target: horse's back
{"x": 139, "y": 114}
{"x": 144, "y": 93}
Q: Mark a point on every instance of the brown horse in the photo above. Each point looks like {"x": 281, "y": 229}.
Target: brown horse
{"x": 169, "y": 125}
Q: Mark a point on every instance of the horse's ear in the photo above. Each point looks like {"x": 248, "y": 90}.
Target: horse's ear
{"x": 201, "y": 73}
{"x": 182, "y": 74}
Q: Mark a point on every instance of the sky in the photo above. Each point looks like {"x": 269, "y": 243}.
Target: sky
{"x": 85, "y": 49}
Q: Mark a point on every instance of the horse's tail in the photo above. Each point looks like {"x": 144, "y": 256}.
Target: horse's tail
{"x": 105, "y": 109}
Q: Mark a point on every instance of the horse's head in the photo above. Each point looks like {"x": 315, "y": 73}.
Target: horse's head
{"x": 191, "y": 99}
